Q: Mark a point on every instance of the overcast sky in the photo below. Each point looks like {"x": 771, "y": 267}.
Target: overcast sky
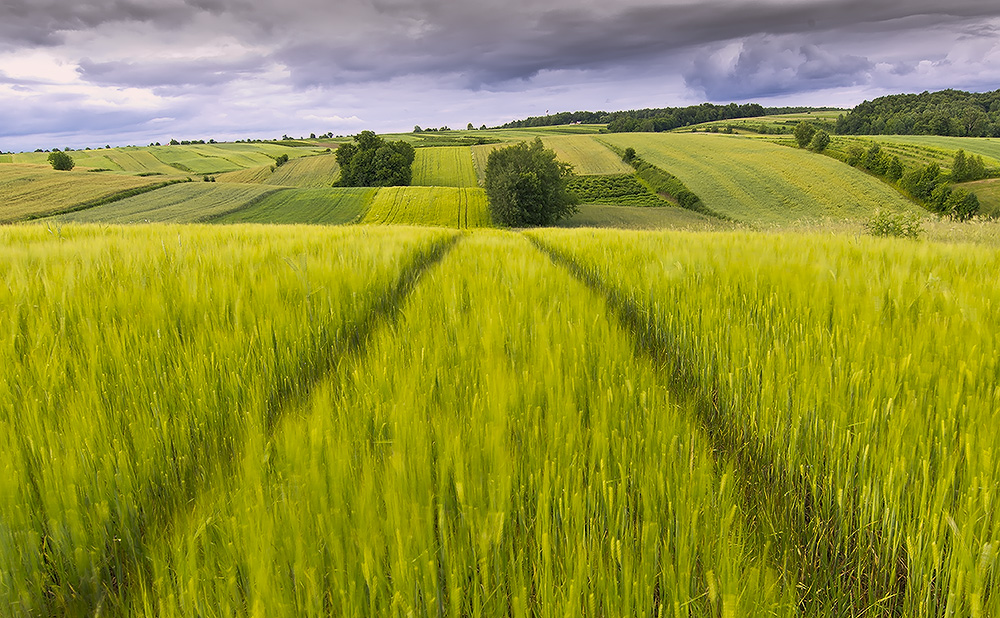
{"x": 89, "y": 72}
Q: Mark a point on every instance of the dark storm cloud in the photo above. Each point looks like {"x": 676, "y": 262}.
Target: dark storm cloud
{"x": 166, "y": 73}
{"x": 44, "y": 22}
{"x": 484, "y": 41}
{"x": 767, "y": 68}
{"x": 488, "y": 48}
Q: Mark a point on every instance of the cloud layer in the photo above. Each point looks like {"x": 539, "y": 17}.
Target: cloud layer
{"x": 197, "y": 61}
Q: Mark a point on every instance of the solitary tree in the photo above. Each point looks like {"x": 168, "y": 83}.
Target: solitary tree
{"x": 526, "y": 186}
{"x": 61, "y": 161}
{"x": 804, "y": 133}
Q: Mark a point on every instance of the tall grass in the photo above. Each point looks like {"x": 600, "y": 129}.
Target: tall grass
{"x": 498, "y": 452}
{"x": 855, "y": 379}
{"x": 134, "y": 360}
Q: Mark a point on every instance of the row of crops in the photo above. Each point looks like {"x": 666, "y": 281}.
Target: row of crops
{"x": 389, "y": 421}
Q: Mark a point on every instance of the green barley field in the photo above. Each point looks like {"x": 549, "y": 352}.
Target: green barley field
{"x": 284, "y": 414}
{"x": 444, "y": 167}
{"x": 393, "y": 421}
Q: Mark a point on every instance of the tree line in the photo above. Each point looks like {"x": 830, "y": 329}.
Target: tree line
{"x": 948, "y": 112}
{"x": 658, "y": 119}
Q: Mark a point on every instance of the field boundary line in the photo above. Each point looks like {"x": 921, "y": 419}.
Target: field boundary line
{"x": 827, "y": 575}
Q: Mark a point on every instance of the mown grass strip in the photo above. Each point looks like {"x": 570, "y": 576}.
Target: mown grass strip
{"x": 831, "y": 579}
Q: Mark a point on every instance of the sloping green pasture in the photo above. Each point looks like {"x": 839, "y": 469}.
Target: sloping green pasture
{"x": 315, "y": 206}
{"x": 643, "y": 218}
{"x": 307, "y": 172}
{"x": 586, "y": 155}
{"x": 754, "y": 181}
{"x": 30, "y": 191}
{"x": 435, "y": 206}
{"x": 184, "y": 203}
{"x": 448, "y": 166}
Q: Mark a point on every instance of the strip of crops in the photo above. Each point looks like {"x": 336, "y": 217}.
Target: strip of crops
{"x": 854, "y": 379}
{"x": 619, "y": 189}
{"x": 139, "y": 160}
{"x": 643, "y": 218}
{"x": 436, "y": 206}
{"x": 586, "y": 155}
{"x": 251, "y": 175}
{"x": 28, "y": 191}
{"x": 449, "y": 166}
{"x": 307, "y": 172}
{"x": 480, "y": 155}
{"x": 498, "y": 453}
{"x": 759, "y": 182}
{"x": 317, "y": 206}
{"x": 81, "y": 158}
{"x": 134, "y": 361}
{"x": 183, "y": 203}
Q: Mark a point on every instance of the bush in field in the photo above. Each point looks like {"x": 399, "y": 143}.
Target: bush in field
{"x": 280, "y": 160}
{"x": 61, "y": 161}
{"x": 629, "y": 155}
{"x": 526, "y": 186}
{"x": 373, "y": 162}
{"x": 820, "y": 140}
{"x": 961, "y": 205}
{"x": 804, "y": 133}
{"x": 890, "y": 224}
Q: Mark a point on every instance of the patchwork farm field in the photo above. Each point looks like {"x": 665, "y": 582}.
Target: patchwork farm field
{"x": 33, "y": 191}
{"x": 587, "y": 155}
{"x": 760, "y": 183}
{"x": 434, "y": 206}
{"x": 386, "y": 421}
{"x": 189, "y": 202}
{"x": 313, "y": 206}
{"x": 444, "y": 167}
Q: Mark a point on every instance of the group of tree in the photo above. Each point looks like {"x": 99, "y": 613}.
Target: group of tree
{"x": 808, "y": 136}
{"x": 527, "y": 186}
{"x": 948, "y": 112}
{"x": 374, "y": 162}
{"x": 658, "y": 119}
{"x": 928, "y": 185}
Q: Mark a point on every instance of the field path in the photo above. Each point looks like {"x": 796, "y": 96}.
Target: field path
{"x": 788, "y": 502}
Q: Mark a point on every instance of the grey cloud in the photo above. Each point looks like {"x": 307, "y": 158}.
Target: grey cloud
{"x": 767, "y": 67}
{"x": 487, "y": 48}
{"x": 43, "y": 22}
{"x": 166, "y": 73}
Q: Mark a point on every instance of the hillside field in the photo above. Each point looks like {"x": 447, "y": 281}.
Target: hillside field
{"x": 587, "y": 155}
{"x": 183, "y": 203}
{"x": 759, "y": 183}
{"x": 313, "y": 206}
{"x": 434, "y": 206}
{"x": 444, "y": 167}
{"x": 381, "y": 420}
{"x": 33, "y": 191}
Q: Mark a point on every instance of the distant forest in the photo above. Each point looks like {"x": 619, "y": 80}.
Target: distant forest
{"x": 660, "y": 119}
{"x": 948, "y": 112}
